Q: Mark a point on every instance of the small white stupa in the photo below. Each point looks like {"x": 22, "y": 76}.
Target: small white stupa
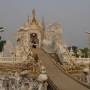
{"x": 71, "y": 52}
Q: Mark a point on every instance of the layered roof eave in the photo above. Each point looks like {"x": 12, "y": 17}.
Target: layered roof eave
{"x": 32, "y": 23}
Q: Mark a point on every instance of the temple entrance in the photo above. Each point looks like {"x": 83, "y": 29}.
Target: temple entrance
{"x": 34, "y": 40}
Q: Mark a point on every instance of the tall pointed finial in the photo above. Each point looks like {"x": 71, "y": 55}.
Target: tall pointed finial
{"x": 33, "y": 13}
{"x": 43, "y": 23}
{"x": 28, "y": 20}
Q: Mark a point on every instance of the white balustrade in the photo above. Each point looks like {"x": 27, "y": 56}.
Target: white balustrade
{"x": 81, "y": 60}
{"x": 10, "y": 60}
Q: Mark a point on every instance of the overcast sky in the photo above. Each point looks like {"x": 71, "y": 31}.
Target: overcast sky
{"x": 74, "y": 16}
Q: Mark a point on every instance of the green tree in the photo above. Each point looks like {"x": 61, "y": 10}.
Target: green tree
{"x": 85, "y": 52}
{"x": 2, "y": 42}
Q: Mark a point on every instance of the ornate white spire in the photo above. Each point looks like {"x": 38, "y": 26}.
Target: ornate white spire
{"x": 33, "y": 12}
{"x": 28, "y": 20}
{"x": 34, "y": 16}
{"x": 43, "y": 23}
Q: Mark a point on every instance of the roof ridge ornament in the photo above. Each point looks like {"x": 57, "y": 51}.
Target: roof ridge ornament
{"x": 34, "y": 15}
{"x": 33, "y": 12}
{"x": 28, "y": 20}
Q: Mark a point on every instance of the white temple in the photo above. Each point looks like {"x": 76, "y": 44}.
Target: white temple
{"x": 32, "y": 34}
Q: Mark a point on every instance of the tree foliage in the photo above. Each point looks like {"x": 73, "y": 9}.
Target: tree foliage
{"x": 85, "y": 51}
{"x": 2, "y": 42}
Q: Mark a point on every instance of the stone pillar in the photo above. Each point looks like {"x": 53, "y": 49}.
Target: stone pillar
{"x": 40, "y": 86}
{"x": 42, "y": 79}
{"x": 88, "y": 79}
{"x": 45, "y": 85}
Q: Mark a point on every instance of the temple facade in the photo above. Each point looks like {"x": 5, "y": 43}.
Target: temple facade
{"x": 33, "y": 34}
{"x": 29, "y": 35}
{"x": 26, "y": 67}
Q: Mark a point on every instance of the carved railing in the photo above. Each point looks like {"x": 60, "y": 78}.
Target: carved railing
{"x": 81, "y": 60}
{"x": 10, "y": 60}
